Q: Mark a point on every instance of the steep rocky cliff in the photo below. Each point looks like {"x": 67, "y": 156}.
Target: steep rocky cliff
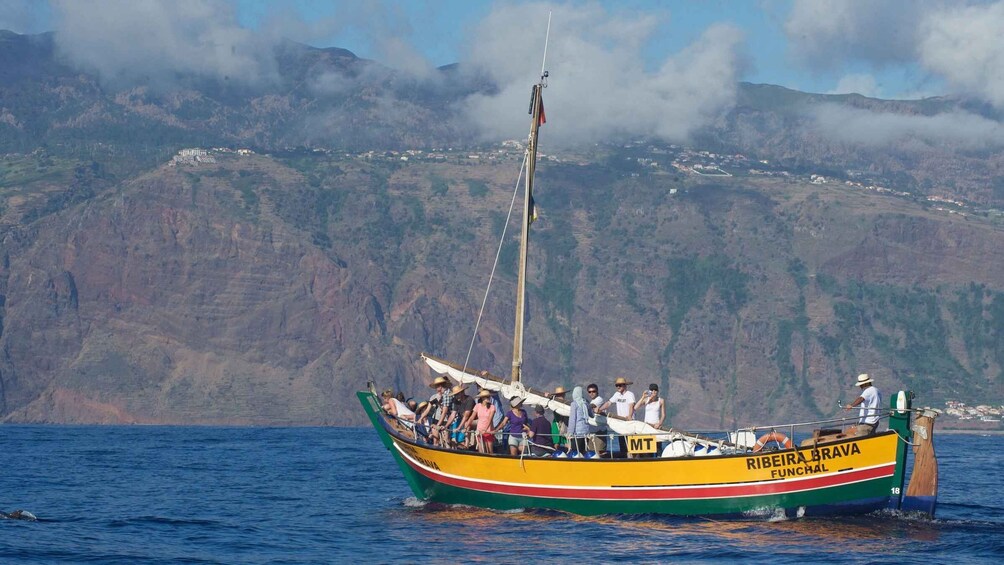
{"x": 257, "y": 290}
{"x": 267, "y": 289}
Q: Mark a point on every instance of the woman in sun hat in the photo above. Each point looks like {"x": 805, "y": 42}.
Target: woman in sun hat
{"x": 518, "y": 423}
{"x": 484, "y": 411}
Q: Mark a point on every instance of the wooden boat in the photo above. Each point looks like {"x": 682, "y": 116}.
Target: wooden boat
{"x": 757, "y": 472}
{"x": 844, "y": 476}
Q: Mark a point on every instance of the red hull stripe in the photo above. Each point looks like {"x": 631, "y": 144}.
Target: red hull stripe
{"x": 785, "y": 486}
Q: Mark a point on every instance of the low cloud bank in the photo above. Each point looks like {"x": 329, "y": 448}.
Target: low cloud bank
{"x": 880, "y": 129}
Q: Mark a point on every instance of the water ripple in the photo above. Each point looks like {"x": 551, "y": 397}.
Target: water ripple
{"x": 156, "y": 494}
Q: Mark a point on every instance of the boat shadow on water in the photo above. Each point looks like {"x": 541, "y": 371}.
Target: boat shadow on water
{"x": 880, "y": 536}
{"x": 880, "y": 525}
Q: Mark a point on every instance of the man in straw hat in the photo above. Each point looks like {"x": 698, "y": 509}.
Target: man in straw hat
{"x": 624, "y": 401}
{"x": 870, "y": 402}
{"x": 438, "y": 409}
{"x": 440, "y": 400}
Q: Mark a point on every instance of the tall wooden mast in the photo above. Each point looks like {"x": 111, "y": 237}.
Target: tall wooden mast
{"x": 536, "y": 113}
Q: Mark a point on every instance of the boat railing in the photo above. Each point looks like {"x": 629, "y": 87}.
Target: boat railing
{"x": 840, "y": 421}
{"x": 800, "y": 431}
{"x": 668, "y": 441}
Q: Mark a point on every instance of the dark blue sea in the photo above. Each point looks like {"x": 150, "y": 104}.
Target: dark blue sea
{"x": 142, "y": 494}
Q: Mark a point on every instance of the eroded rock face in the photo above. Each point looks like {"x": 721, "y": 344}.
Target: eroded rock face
{"x": 239, "y": 293}
{"x": 159, "y": 303}
{"x": 260, "y": 291}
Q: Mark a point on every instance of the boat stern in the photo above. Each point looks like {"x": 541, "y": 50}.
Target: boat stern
{"x": 921, "y": 495}
{"x": 922, "y": 492}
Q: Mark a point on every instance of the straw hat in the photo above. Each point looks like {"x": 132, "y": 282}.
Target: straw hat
{"x": 560, "y": 390}
{"x": 485, "y": 393}
{"x": 864, "y": 379}
{"x": 440, "y": 380}
{"x": 622, "y": 381}
{"x": 421, "y": 406}
{"x": 516, "y": 401}
{"x": 458, "y": 389}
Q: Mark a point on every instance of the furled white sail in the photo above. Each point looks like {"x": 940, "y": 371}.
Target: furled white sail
{"x": 510, "y": 389}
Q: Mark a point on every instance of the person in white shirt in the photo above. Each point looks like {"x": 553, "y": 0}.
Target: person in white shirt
{"x": 655, "y": 407}
{"x": 594, "y": 396}
{"x": 870, "y": 402}
{"x": 396, "y": 408}
{"x": 624, "y": 401}
{"x": 598, "y": 433}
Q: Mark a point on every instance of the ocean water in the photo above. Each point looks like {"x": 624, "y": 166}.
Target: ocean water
{"x": 138, "y": 494}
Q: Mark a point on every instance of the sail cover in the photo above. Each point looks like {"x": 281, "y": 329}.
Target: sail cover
{"x": 534, "y": 398}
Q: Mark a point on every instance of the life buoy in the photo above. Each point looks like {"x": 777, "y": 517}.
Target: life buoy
{"x": 781, "y": 440}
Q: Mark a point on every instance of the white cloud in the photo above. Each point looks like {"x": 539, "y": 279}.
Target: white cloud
{"x": 125, "y": 40}
{"x": 957, "y": 42}
{"x": 861, "y": 83}
{"x": 963, "y": 44}
{"x": 880, "y": 129}
{"x": 129, "y": 39}
{"x": 599, "y": 86}
{"x": 381, "y": 29}
{"x": 399, "y": 54}
{"x": 825, "y": 33}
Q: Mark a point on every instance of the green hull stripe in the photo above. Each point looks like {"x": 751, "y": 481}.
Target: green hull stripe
{"x": 866, "y": 494}
{"x": 872, "y": 493}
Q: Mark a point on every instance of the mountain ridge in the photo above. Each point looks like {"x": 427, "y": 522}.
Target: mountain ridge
{"x": 266, "y": 289}
{"x": 319, "y": 94}
{"x": 216, "y": 294}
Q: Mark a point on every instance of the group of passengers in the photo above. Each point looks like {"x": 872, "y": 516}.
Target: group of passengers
{"x": 453, "y": 418}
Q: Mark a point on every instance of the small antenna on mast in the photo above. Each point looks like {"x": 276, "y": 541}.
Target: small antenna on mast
{"x": 547, "y": 37}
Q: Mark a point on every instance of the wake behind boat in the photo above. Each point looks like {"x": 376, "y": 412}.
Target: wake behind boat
{"x": 795, "y": 469}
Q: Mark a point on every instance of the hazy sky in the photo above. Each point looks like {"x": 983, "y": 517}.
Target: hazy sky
{"x": 887, "y": 48}
{"x": 659, "y": 68}
{"x": 870, "y": 47}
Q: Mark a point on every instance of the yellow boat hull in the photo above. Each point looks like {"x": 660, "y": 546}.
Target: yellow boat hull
{"x": 849, "y": 476}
